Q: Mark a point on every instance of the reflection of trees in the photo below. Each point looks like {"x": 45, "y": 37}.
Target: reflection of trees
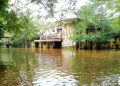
{"x": 5, "y": 57}
{"x": 88, "y": 67}
{"x": 21, "y": 68}
{"x": 98, "y": 69}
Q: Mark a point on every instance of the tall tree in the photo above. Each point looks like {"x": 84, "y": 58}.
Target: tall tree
{"x": 3, "y": 14}
{"x": 95, "y": 26}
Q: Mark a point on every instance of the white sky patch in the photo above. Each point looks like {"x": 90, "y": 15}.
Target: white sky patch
{"x": 81, "y": 3}
{"x": 39, "y": 12}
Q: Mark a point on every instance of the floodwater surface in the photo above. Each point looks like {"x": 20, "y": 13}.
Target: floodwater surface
{"x": 59, "y": 67}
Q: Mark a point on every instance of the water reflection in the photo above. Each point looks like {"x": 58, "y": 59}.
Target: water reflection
{"x": 52, "y": 69}
{"x": 55, "y": 67}
{"x": 97, "y": 68}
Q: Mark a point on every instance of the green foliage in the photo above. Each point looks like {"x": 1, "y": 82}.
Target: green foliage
{"x": 116, "y": 22}
{"x": 26, "y": 33}
{"x": 79, "y": 31}
{"x": 93, "y": 16}
{"x": 21, "y": 27}
{"x": 1, "y": 31}
{"x": 3, "y": 13}
{"x": 95, "y": 25}
{"x": 3, "y": 4}
{"x": 86, "y": 13}
{"x": 117, "y": 5}
{"x": 12, "y": 22}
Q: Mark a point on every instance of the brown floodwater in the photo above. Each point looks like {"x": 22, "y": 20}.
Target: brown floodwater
{"x": 59, "y": 67}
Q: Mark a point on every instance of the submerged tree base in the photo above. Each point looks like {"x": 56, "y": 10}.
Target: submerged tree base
{"x": 96, "y": 46}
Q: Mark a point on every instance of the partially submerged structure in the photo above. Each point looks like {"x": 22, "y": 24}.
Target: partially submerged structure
{"x": 50, "y": 38}
{"x": 60, "y": 35}
{"x": 56, "y": 36}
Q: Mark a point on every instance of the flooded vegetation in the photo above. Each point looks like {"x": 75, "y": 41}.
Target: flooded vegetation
{"x": 59, "y": 67}
{"x": 34, "y": 35}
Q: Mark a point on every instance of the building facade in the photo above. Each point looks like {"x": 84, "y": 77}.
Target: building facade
{"x": 57, "y": 36}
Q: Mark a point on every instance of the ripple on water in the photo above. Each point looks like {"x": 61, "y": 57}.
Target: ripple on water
{"x": 53, "y": 78}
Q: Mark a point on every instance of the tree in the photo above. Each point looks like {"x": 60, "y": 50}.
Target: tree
{"x": 3, "y": 13}
{"x": 15, "y": 24}
{"x": 28, "y": 30}
{"x": 95, "y": 28}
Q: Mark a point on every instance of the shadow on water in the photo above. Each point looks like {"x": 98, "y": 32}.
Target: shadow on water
{"x": 2, "y": 67}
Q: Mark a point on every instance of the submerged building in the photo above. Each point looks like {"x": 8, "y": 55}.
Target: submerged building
{"x": 56, "y": 36}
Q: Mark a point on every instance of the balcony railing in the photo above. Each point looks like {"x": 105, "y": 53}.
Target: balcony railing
{"x": 50, "y": 36}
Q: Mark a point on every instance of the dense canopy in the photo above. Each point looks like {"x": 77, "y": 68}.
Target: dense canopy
{"x": 99, "y": 24}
